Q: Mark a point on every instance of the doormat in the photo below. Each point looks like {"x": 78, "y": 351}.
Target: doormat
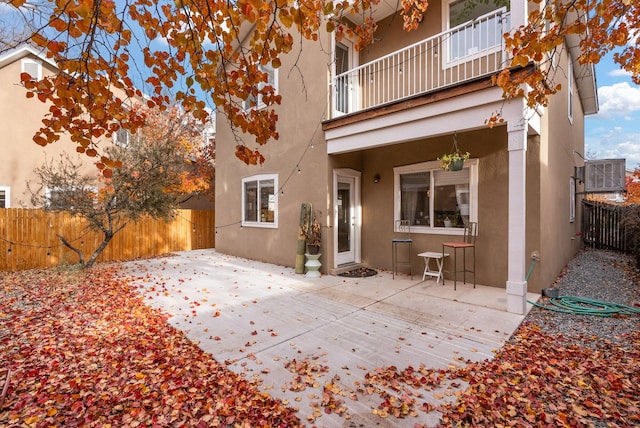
{"x": 359, "y": 273}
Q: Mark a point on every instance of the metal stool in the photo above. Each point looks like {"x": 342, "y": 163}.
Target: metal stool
{"x": 402, "y": 226}
{"x": 469, "y": 241}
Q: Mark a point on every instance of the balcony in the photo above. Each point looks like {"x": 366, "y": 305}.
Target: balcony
{"x": 467, "y": 52}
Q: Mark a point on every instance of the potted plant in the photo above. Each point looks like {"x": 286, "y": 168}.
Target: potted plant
{"x": 313, "y": 235}
{"x": 453, "y": 161}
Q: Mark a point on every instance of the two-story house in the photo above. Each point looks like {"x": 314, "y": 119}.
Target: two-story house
{"x": 22, "y": 117}
{"x": 360, "y": 134}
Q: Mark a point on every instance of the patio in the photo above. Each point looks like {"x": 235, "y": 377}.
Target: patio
{"x": 298, "y": 334}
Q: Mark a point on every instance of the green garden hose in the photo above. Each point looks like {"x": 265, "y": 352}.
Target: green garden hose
{"x": 582, "y": 305}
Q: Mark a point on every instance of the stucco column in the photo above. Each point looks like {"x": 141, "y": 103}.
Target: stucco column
{"x": 516, "y": 284}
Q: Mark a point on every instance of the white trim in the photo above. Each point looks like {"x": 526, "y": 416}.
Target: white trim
{"x": 354, "y": 62}
{"x": 471, "y": 109}
{"x": 7, "y": 196}
{"x": 259, "y": 103}
{"x": 259, "y": 223}
{"x": 357, "y": 214}
{"x": 471, "y": 165}
{"x": 570, "y": 89}
{"x": 572, "y": 199}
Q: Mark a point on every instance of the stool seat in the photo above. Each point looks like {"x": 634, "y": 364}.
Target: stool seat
{"x": 404, "y": 227}
{"x": 469, "y": 241}
{"x": 439, "y": 257}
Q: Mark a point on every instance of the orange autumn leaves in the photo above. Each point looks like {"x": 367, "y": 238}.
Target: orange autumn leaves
{"x": 599, "y": 27}
{"x": 84, "y": 350}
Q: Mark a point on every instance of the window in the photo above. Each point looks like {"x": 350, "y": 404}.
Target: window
{"x": 5, "y": 197}
{"x": 476, "y": 27}
{"x": 570, "y": 89}
{"x": 272, "y": 80}
{"x": 434, "y": 200}
{"x": 122, "y": 137}
{"x": 33, "y": 67}
{"x": 259, "y": 201}
{"x": 572, "y": 199}
{"x": 67, "y": 198}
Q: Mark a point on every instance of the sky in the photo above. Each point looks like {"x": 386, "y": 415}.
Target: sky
{"x": 614, "y": 132}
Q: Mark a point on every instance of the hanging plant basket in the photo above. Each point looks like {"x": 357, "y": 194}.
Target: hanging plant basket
{"x": 454, "y": 160}
{"x": 457, "y": 165}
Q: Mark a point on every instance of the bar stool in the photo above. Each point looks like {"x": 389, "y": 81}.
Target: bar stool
{"x": 469, "y": 241}
{"x": 402, "y": 226}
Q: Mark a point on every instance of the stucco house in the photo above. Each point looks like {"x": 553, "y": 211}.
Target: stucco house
{"x": 22, "y": 117}
{"x": 360, "y": 134}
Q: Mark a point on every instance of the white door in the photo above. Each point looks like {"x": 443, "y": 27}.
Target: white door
{"x": 347, "y": 216}
{"x": 346, "y": 85}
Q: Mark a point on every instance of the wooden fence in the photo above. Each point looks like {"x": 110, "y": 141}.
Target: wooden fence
{"x": 29, "y": 237}
{"x": 601, "y": 226}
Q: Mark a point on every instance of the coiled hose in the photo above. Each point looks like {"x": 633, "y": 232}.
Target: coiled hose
{"x": 583, "y": 306}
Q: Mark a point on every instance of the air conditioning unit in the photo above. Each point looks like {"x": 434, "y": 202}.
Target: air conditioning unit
{"x": 604, "y": 176}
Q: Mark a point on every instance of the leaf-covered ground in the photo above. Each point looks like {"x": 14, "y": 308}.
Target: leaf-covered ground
{"x": 82, "y": 349}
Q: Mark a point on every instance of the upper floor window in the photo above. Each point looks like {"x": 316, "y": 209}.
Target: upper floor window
{"x": 122, "y": 137}
{"x": 570, "y": 89}
{"x": 33, "y": 67}
{"x": 67, "y": 198}
{"x": 260, "y": 201}
{"x": 5, "y": 197}
{"x": 475, "y": 27}
{"x": 434, "y": 200}
{"x": 272, "y": 80}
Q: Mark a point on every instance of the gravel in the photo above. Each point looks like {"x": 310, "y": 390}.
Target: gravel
{"x": 595, "y": 274}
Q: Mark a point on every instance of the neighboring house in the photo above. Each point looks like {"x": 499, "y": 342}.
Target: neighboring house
{"x": 21, "y": 118}
{"x": 360, "y": 132}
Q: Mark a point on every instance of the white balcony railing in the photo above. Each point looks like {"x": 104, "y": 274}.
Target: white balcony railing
{"x": 466, "y": 52}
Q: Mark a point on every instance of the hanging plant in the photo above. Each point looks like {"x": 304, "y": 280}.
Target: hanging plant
{"x": 454, "y": 160}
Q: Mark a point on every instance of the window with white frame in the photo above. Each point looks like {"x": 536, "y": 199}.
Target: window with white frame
{"x": 260, "y": 200}
{"x": 67, "y": 198}
{"x": 33, "y": 67}
{"x": 5, "y": 197}
{"x": 122, "y": 137}
{"x": 475, "y": 27}
{"x": 272, "y": 80}
{"x": 434, "y": 200}
{"x": 570, "y": 89}
{"x": 572, "y": 199}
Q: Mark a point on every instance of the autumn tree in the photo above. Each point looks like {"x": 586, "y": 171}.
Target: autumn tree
{"x": 632, "y": 186}
{"x": 159, "y": 166}
{"x": 602, "y": 27}
{"x": 219, "y": 48}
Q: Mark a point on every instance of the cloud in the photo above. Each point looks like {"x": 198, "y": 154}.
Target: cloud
{"x": 619, "y": 99}
{"x": 618, "y": 72}
{"x": 614, "y": 144}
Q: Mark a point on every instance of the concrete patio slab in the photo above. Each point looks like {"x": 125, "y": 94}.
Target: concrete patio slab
{"x": 312, "y": 339}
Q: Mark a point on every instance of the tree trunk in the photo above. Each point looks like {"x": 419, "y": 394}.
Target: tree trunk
{"x": 72, "y": 248}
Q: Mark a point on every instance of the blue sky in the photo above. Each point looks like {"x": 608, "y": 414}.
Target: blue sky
{"x": 615, "y": 131}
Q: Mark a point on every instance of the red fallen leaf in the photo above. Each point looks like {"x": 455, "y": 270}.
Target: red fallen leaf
{"x": 254, "y": 333}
